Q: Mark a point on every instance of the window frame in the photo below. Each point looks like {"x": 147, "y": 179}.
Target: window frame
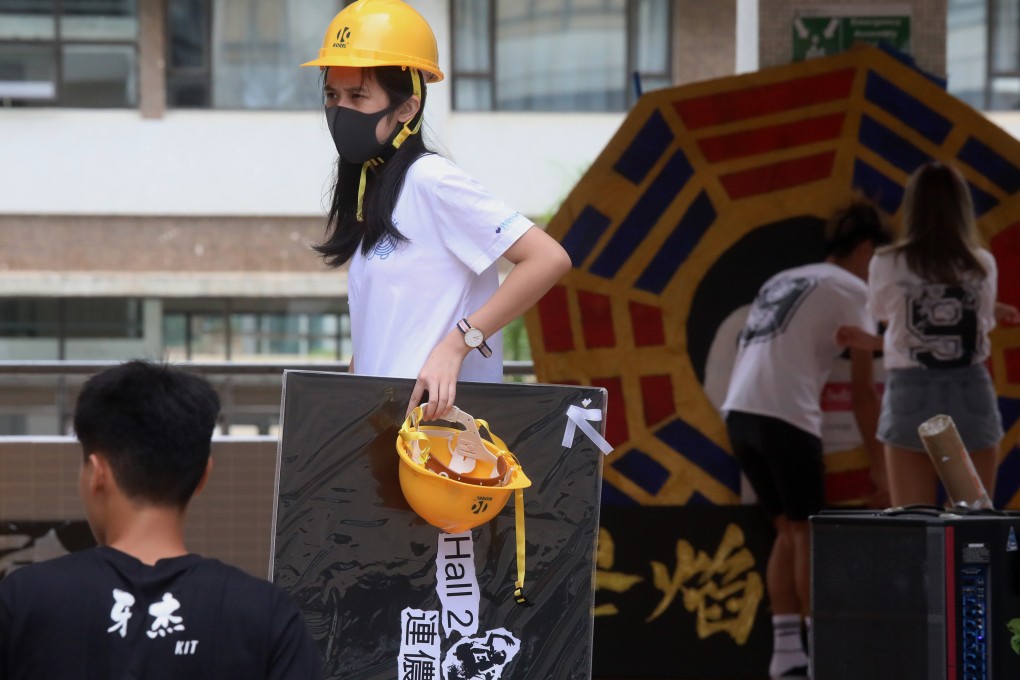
{"x": 56, "y": 45}
{"x": 491, "y": 75}
{"x": 203, "y": 74}
{"x": 991, "y": 72}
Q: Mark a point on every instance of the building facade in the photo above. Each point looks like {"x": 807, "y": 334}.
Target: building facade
{"x": 167, "y": 161}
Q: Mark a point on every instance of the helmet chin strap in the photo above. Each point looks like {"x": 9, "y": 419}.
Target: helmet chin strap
{"x": 406, "y": 131}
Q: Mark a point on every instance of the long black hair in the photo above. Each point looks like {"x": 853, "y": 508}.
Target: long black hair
{"x": 344, "y": 233}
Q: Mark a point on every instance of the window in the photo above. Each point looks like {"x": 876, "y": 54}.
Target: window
{"x": 983, "y": 53}
{"x": 71, "y": 318}
{"x": 76, "y": 53}
{"x": 558, "y": 55}
{"x": 256, "y": 330}
{"x": 245, "y": 54}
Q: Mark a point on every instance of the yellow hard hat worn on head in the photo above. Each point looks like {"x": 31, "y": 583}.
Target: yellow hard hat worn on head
{"x": 370, "y": 33}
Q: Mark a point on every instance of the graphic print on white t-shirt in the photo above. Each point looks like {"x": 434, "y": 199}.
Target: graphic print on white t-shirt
{"x": 774, "y": 307}
{"x": 386, "y": 246}
{"x": 944, "y": 320}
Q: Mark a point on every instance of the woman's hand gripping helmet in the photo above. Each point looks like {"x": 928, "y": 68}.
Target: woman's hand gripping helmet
{"x": 456, "y": 481}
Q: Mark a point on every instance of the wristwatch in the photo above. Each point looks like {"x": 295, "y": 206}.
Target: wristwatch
{"x": 473, "y": 338}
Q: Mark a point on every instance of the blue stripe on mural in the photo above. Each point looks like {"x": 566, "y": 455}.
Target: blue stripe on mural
{"x": 983, "y": 201}
{"x": 1006, "y": 479}
{"x": 584, "y": 233}
{"x": 1010, "y": 411}
{"x": 643, "y": 470}
{"x": 678, "y": 245}
{"x": 890, "y": 146}
{"x": 702, "y": 451}
{"x": 643, "y": 216}
{"x": 982, "y": 158}
{"x": 881, "y": 190}
{"x": 613, "y": 496}
{"x": 644, "y": 152}
{"x": 697, "y": 499}
{"x": 907, "y": 108}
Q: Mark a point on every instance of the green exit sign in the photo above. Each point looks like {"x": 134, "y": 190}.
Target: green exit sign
{"x": 817, "y": 36}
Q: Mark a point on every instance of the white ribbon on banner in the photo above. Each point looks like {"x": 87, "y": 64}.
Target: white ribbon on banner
{"x": 579, "y": 418}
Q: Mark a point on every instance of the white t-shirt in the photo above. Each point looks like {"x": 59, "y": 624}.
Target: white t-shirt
{"x": 404, "y": 297}
{"x": 931, "y": 325}
{"x": 787, "y": 347}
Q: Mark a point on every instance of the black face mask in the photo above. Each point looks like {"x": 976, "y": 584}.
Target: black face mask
{"x": 354, "y": 133}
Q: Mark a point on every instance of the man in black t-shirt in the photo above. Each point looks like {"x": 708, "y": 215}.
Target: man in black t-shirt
{"x": 140, "y": 605}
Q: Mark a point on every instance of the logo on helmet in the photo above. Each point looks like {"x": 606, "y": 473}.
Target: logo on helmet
{"x": 480, "y": 505}
{"x": 342, "y": 36}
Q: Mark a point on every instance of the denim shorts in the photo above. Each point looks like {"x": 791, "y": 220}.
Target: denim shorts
{"x": 913, "y": 395}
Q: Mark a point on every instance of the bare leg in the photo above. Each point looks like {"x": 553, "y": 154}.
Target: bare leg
{"x": 783, "y": 580}
{"x": 780, "y": 574}
{"x": 912, "y": 477}
{"x": 800, "y": 537}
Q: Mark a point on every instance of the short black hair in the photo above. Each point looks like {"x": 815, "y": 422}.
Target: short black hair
{"x": 154, "y": 425}
{"x": 858, "y": 222}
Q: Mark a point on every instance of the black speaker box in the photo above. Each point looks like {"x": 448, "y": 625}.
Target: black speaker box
{"x": 915, "y": 594}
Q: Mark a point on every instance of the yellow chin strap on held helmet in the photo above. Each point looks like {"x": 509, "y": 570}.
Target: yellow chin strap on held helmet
{"x": 456, "y": 481}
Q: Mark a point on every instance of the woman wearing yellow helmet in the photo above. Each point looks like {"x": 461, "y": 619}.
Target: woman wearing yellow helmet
{"x": 422, "y": 238}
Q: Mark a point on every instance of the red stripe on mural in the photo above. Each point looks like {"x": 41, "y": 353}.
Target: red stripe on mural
{"x": 657, "y": 398}
{"x": 771, "y": 138}
{"x": 1006, "y": 248}
{"x": 616, "y": 414}
{"x": 646, "y": 323}
{"x": 554, "y": 316}
{"x": 752, "y": 102}
{"x": 778, "y": 176}
{"x": 596, "y": 319}
{"x": 1012, "y": 357}
{"x": 851, "y": 485}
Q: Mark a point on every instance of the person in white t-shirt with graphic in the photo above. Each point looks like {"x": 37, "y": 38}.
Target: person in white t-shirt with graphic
{"x": 936, "y": 290}
{"x": 787, "y": 349}
{"x": 421, "y": 237}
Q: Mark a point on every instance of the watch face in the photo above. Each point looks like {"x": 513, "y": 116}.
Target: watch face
{"x": 473, "y": 337}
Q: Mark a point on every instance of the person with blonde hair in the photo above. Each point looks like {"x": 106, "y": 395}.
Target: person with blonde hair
{"x": 935, "y": 288}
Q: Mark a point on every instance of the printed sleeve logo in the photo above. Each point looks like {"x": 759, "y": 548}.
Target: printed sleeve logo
{"x": 774, "y": 308}
{"x": 165, "y": 622}
{"x": 121, "y": 612}
{"x": 507, "y": 222}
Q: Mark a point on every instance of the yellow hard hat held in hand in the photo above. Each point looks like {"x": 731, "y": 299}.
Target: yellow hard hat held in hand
{"x": 456, "y": 481}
